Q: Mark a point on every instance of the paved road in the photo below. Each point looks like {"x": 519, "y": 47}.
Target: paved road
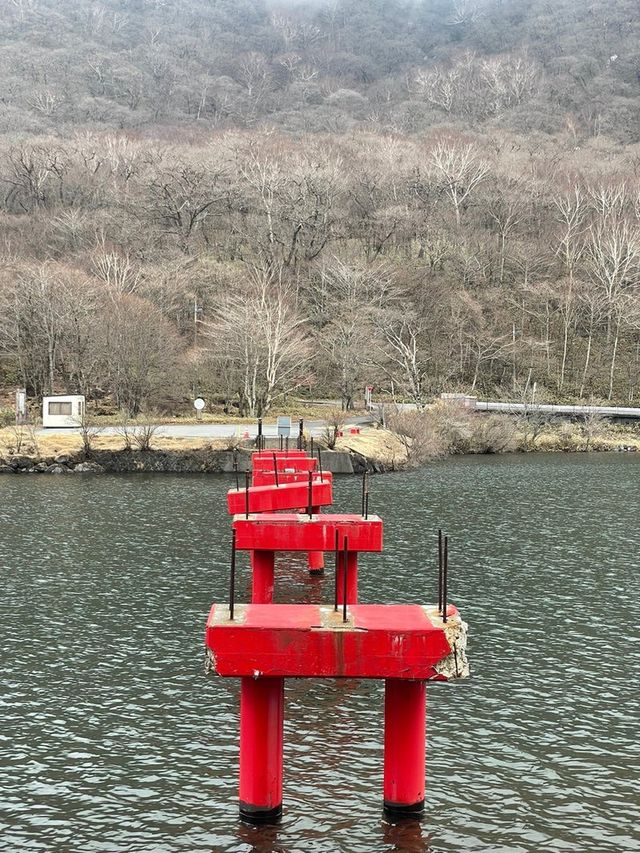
{"x": 210, "y": 430}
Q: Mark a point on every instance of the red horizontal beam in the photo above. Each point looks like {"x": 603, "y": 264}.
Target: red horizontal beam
{"x": 284, "y": 463}
{"x": 287, "y": 496}
{"x": 280, "y": 454}
{"x": 404, "y": 641}
{"x": 299, "y": 532}
{"x": 267, "y": 478}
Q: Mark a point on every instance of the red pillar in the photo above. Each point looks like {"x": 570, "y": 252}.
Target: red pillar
{"x": 262, "y": 571}
{"x": 352, "y": 578}
{"x": 316, "y": 558}
{"x": 405, "y": 706}
{"x": 316, "y": 562}
{"x": 261, "y": 738}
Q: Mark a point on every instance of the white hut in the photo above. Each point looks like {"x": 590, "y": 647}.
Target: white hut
{"x": 64, "y": 411}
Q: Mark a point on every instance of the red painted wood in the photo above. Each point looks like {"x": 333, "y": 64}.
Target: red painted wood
{"x": 404, "y": 744}
{"x": 286, "y": 496}
{"x": 298, "y": 532}
{"x": 300, "y": 640}
{"x": 261, "y": 740}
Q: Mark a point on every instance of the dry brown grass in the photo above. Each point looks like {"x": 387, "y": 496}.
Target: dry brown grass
{"x": 55, "y": 445}
{"x": 377, "y": 444}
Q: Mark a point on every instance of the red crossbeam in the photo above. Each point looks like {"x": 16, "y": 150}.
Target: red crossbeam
{"x": 284, "y": 463}
{"x": 268, "y": 478}
{"x": 403, "y": 641}
{"x": 299, "y": 532}
{"x": 287, "y": 496}
{"x": 280, "y": 454}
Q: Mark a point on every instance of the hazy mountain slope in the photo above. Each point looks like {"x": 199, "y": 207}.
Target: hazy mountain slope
{"x": 319, "y": 66}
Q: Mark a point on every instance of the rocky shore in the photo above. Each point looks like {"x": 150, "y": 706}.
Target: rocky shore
{"x": 197, "y": 461}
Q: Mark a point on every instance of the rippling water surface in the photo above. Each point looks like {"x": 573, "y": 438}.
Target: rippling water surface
{"x": 112, "y": 738}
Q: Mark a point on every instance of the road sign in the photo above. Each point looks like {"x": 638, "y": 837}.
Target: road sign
{"x": 199, "y": 404}
{"x": 284, "y": 426}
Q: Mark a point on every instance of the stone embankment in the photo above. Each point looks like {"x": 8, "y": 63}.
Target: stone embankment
{"x": 197, "y": 461}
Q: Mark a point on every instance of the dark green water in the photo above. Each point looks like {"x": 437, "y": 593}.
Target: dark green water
{"x": 112, "y": 739}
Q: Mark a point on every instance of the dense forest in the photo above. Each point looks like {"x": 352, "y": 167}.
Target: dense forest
{"x": 243, "y": 199}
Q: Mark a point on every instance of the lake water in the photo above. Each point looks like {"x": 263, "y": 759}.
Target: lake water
{"x": 113, "y": 739}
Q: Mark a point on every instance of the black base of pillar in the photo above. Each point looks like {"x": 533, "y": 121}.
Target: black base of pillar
{"x": 316, "y": 572}
{"x": 404, "y": 809}
{"x": 255, "y": 814}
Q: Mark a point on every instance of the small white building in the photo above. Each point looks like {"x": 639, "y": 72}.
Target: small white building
{"x": 66, "y": 411}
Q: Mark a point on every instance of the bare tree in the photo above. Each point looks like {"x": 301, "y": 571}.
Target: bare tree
{"x": 460, "y": 169}
{"x": 259, "y": 329}
{"x": 614, "y": 262}
{"x": 403, "y": 354}
{"x": 571, "y": 212}
{"x": 140, "y": 353}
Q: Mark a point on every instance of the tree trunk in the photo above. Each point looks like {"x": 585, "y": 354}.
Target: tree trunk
{"x": 613, "y": 358}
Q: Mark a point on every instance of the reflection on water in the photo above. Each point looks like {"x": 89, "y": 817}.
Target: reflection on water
{"x": 112, "y": 739}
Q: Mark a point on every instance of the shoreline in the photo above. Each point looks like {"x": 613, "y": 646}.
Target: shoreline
{"x": 375, "y": 450}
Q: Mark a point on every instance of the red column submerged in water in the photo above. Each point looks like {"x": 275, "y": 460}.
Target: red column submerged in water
{"x": 262, "y": 576}
{"x": 261, "y": 744}
{"x": 405, "y": 716}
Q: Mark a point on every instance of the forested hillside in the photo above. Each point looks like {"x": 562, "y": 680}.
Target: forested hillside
{"x": 244, "y": 198}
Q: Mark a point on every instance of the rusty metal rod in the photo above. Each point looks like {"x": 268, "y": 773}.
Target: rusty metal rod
{"x": 445, "y": 573}
{"x": 439, "y": 569}
{"x": 246, "y": 494}
{"x": 232, "y": 579}
{"x": 365, "y": 488}
{"x": 235, "y": 468}
{"x": 259, "y": 435}
{"x": 337, "y": 556}
{"x": 345, "y": 563}
{"x": 366, "y": 506}
{"x": 320, "y": 463}
{"x": 275, "y": 469}
{"x": 311, "y": 447}
{"x": 301, "y": 434}
{"x": 310, "y": 495}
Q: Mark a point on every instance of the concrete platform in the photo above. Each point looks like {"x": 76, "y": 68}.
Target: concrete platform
{"x": 404, "y": 641}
